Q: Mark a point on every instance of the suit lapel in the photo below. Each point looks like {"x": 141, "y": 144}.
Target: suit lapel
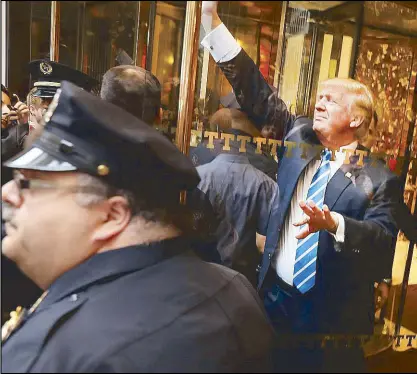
{"x": 335, "y": 188}
{"x": 340, "y": 181}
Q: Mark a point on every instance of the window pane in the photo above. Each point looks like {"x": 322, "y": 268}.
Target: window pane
{"x": 384, "y": 64}
{"x": 29, "y": 27}
{"x": 40, "y": 29}
{"x": 255, "y": 25}
{"x": 166, "y": 53}
{"x": 109, "y": 29}
{"x": 319, "y": 44}
{"x": 19, "y": 47}
{"x": 70, "y": 33}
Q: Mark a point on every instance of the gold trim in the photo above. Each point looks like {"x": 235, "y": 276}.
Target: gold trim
{"x": 188, "y": 78}
{"x": 55, "y": 30}
{"x": 188, "y": 75}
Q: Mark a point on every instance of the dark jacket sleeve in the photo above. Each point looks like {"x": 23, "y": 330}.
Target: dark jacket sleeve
{"x": 255, "y": 96}
{"x": 12, "y": 140}
{"x": 407, "y": 222}
{"x": 375, "y": 235}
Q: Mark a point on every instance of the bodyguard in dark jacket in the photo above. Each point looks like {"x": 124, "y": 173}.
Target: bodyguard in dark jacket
{"x": 122, "y": 291}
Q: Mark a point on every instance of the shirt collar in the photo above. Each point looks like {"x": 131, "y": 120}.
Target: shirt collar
{"x": 340, "y": 155}
{"x": 113, "y": 264}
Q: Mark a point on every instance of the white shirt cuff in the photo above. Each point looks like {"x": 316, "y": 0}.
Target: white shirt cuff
{"x": 340, "y": 232}
{"x": 221, "y": 44}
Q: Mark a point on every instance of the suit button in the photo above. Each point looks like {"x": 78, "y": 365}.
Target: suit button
{"x": 258, "y": 268}
{"x": 74, "y": 297}
{"x": 269, "y": 256}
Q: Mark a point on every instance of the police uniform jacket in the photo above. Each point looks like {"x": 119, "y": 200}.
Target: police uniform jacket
{"x": 146, "y": 308}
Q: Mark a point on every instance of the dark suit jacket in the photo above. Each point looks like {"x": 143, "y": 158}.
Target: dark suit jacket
{"x": 148, "y": 308}
{"x": 368, "y": 199}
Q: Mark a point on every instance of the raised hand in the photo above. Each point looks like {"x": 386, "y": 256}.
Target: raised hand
{"x": 209, "y": 17}
{"x": 316, "y": 219}
{"x": 209, "y": 7}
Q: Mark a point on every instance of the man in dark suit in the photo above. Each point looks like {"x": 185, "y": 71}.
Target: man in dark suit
{"x": 96, "y": 223}
{"x": 318, "y": 279}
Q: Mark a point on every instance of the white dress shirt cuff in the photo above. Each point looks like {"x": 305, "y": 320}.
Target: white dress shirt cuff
{"x": 221, "y": 44}
{"x": 340, "y": 232}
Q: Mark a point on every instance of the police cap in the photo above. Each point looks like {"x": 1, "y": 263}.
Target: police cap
{"x": 47, "y": 76}
{"x": 84, "y": 133}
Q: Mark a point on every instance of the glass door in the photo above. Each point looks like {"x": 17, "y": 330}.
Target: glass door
{"x": 320, "y": 43}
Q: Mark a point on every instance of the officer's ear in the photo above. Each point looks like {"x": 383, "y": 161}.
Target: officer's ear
{"x": 114, "y": 217}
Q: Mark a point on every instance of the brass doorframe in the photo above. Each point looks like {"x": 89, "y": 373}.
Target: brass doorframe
{"x": 188, "y": 75}
{"x": 55, "y": 30}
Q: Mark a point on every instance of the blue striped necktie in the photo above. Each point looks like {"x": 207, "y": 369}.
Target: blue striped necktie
{"x": 306, "y": 254}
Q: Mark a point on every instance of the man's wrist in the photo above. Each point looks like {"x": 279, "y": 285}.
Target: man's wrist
{"x": 216, "y": 21}
{"x": 210, "y": 21}
{"x": 335, "y": 226}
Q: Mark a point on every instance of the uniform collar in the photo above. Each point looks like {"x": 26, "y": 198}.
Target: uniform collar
{"x": 236, "y": 159}
{"x": 106, "y": 266}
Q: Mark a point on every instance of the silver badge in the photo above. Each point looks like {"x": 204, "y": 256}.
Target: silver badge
{"x": 51, "y": 109}
{"x": 46, "y": 68}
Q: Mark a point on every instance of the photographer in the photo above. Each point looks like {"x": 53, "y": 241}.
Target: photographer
{"x": 14, "y": 128}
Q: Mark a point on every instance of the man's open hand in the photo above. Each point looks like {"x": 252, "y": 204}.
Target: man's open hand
{"x": 316, "y": 219}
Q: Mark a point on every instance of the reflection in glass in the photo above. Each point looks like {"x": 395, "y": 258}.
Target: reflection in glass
{"x": 166, "y": 52}
{"x": 255, "y": 26}
{"x": 40, "y": 29}
{"x": 108, "y": 35}
{"x": 384, "y": 64}
{"x": 319, "y": 44}
{"x": 70, "y": 33}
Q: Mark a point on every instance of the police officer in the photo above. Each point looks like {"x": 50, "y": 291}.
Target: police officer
{"x": 96, "y": 223}
{"x": 46, "y": 79}
{"x": 15, "y": 115}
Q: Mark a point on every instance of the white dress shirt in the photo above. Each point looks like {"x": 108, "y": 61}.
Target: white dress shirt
{"x": 284, "y": 260}
{"x": 223, "y": 47}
